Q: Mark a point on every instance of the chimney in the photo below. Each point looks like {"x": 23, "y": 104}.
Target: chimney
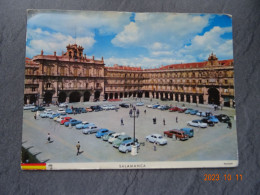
{"x": 93, "y": 57}
{"x": 54, "y": 53}
{"x": 102, "y": 58}
{"x": 85, "y": 56}
{"x": 41, "y": 52}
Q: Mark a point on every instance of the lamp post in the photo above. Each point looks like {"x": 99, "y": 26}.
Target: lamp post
{"x": 134, "y": 113}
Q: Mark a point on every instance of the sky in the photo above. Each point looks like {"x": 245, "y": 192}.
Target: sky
{"x": 147, "y": 40}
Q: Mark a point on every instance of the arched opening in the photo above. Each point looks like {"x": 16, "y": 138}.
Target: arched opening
{"x": 201, "y": 101}
{"x": 121, "y": 95}
{"x": 125, "y": 94}
{"x": 161, "y": 95}
{"x": 116, "y": 95}
{"x": 97, "y": 95}
{"x": 166, "y": 96}
{"x": 47, "y": 97}
{"x": 74, "y": 97}
{"x": 25, "y": 99}
{"x": 171, "y": 96}
{"x": 111, "y": 96}
{"x": 146, "y": 94}
{"x": 33, "y": 99}
{"x": 194, "y": 99}
{"x": 106, "y": 96}
{"x": 182, "y": 98}
{"x": 157, "y": 95}
{"x": 62, "y": 97}
{"x": 86, "y": 96}
{"x": 213, "y": 96}
{"x": 187, "y": 98}
{"x": 130, "y": 94}
{"x": 176, "y": 97}
{"x": 140, "y": 94}
{"x": 134, "y": 94}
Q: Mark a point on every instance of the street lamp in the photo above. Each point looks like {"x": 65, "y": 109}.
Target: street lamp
{"x": 134, "y": 113}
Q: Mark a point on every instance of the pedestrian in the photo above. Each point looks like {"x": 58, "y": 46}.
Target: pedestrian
{"x": 35, "y": 116}
{"x": 163, "y": 121}
{"x": 78, "y": 148}
{"x": 176, "y": 119}
{"x": 154, "y": 146}
{"x": 48, "y": 138}
{"x": 122, "y": 121}
{"x": 145, "y": 111}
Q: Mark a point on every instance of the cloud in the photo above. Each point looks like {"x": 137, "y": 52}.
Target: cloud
{"x": 49, "y": 42}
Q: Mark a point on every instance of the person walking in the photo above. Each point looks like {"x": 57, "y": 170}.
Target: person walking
{"x": 78, "y": 148}
{"x": 35, "y": 117}
{"x": 145, "y": 111}
{"x": 48, "y": 138}
{"x": 163, "y": 121}
{"x": 154, "y": 146}
{"x": 122, "y": 121}
{"x": 176, "y": 119}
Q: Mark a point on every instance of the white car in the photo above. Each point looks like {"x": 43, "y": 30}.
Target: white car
{"x": 61, "y": 111}
{"x": 150, "y": 105}
{"x": 105, "y": 107}
{"x": 28, "y": 107}
{"x": 114, "y": 136}
{"x": 139, "y": 104}
{"x": 197, "y": 123}
{"x": 62, "y": 105}
{"x": 127, "y": 146}
{"x": 204, "y": 114}
{"x": 60, "y": 118}
{"x": 90, "y": 129}
{"x": 159, "y": 107}
{"x": 156, "y": 138}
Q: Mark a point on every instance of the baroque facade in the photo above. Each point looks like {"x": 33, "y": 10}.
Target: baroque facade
{"x": 72, "y": 77}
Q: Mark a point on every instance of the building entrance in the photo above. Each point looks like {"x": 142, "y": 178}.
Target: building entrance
{"x": 74, "y": 97}
{"x": 213, "y": 96}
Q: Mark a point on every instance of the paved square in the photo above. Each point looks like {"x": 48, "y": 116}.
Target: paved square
{"x": 211, "y": 143}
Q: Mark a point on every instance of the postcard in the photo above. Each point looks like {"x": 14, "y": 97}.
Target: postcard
{"x": 126, "y": 90}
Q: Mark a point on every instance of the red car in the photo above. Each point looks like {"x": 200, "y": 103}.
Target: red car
{"x": 66, "y": 119}
{"x": 181, "y": 135}
{"x": 181, "y": 110}
{"x": 173, "y": 109}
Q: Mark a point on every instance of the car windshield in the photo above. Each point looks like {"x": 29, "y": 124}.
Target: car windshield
{"x": 160, "y": 137}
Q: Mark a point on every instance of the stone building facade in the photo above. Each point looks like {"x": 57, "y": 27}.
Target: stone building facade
{"x": 73, "y": 77}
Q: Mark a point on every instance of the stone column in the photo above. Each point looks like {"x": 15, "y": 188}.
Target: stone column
{"x": 231, "y": 103}
{"x": 81, "y": 98}
{"x": 68, "y": 99}
{"x": 197, "y": 99}
{"x": 179, "y": 97}
{"x": 185, "y": 98}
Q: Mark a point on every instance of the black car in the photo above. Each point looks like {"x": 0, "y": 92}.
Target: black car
{"x": 223, "y": 118}
{"x": 96, "y": 108}
{"x": 206, "y": 120}
{"x": 123, "y": 105}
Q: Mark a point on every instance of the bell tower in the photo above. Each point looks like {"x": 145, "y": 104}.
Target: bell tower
{"x": 212, "y": 60}
{"x": 74, "y": 51}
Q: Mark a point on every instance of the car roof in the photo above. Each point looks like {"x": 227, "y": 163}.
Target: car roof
{"x": 157, "y": 134}
{"x": 186, "y": 128}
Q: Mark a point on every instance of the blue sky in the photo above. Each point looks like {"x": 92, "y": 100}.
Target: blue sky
{"x": 137, "y": 39}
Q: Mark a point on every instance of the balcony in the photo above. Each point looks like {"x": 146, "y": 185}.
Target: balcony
{"x": 30, "y": 91}
{"x": 49, "y": 88}
{"x": 75, "y": 88}
{"x": 231, "y": 93}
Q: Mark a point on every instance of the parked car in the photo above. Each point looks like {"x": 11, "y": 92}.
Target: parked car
{"x": 28, "y": 107}
{"x": 124, "y": 105}
{"x": 69, "y": 111}
{"x": 173, "y": 109}
{"x": 188, "y": 131}
{"x": 178, "y": 134}
{"x": 204, "y": 114}
{"x": 84, "y": 125}
{"x": 117, "y": 142}
{"x": 63, "y": 105}
{"x": 61, "y": 111}
{"x": 114, "y": 136}
{"x": 213, "y": 119}
{"x": 223, "y": 118}
{"x": 193, "y": 112}
{"x": 46, "y": 114}
{"x": 182, "y": 109}
{"x": 197, "y": 123}
{"x": 38, "y": 108}
{"x": 89, "y": 109}
{"x": 139, "y": 104}
{"x": 155, "y": 106}
{"x": 105, "y": 107}
{"x": 72, "y": 122}
{"x": 60, "y": 118}
{"x": 54, "y": 115}
{"x": 90, "y": 129}
{"x": 156, "y": 138}
{"x": 107, "y": 135}
{"x": 101, "y": 132}
{"x": 96, "y": 108}
{"x": 126, "y": 146}
{"x": 83, "y": 110}
{"x": 165, "y": 107}
{"x": 206, "y": 120}
{"x": 188, "y": 110}
{"x": 66, "y": 119}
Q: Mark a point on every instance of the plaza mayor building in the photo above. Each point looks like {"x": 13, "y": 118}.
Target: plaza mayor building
{"x": 75, "y": 77}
